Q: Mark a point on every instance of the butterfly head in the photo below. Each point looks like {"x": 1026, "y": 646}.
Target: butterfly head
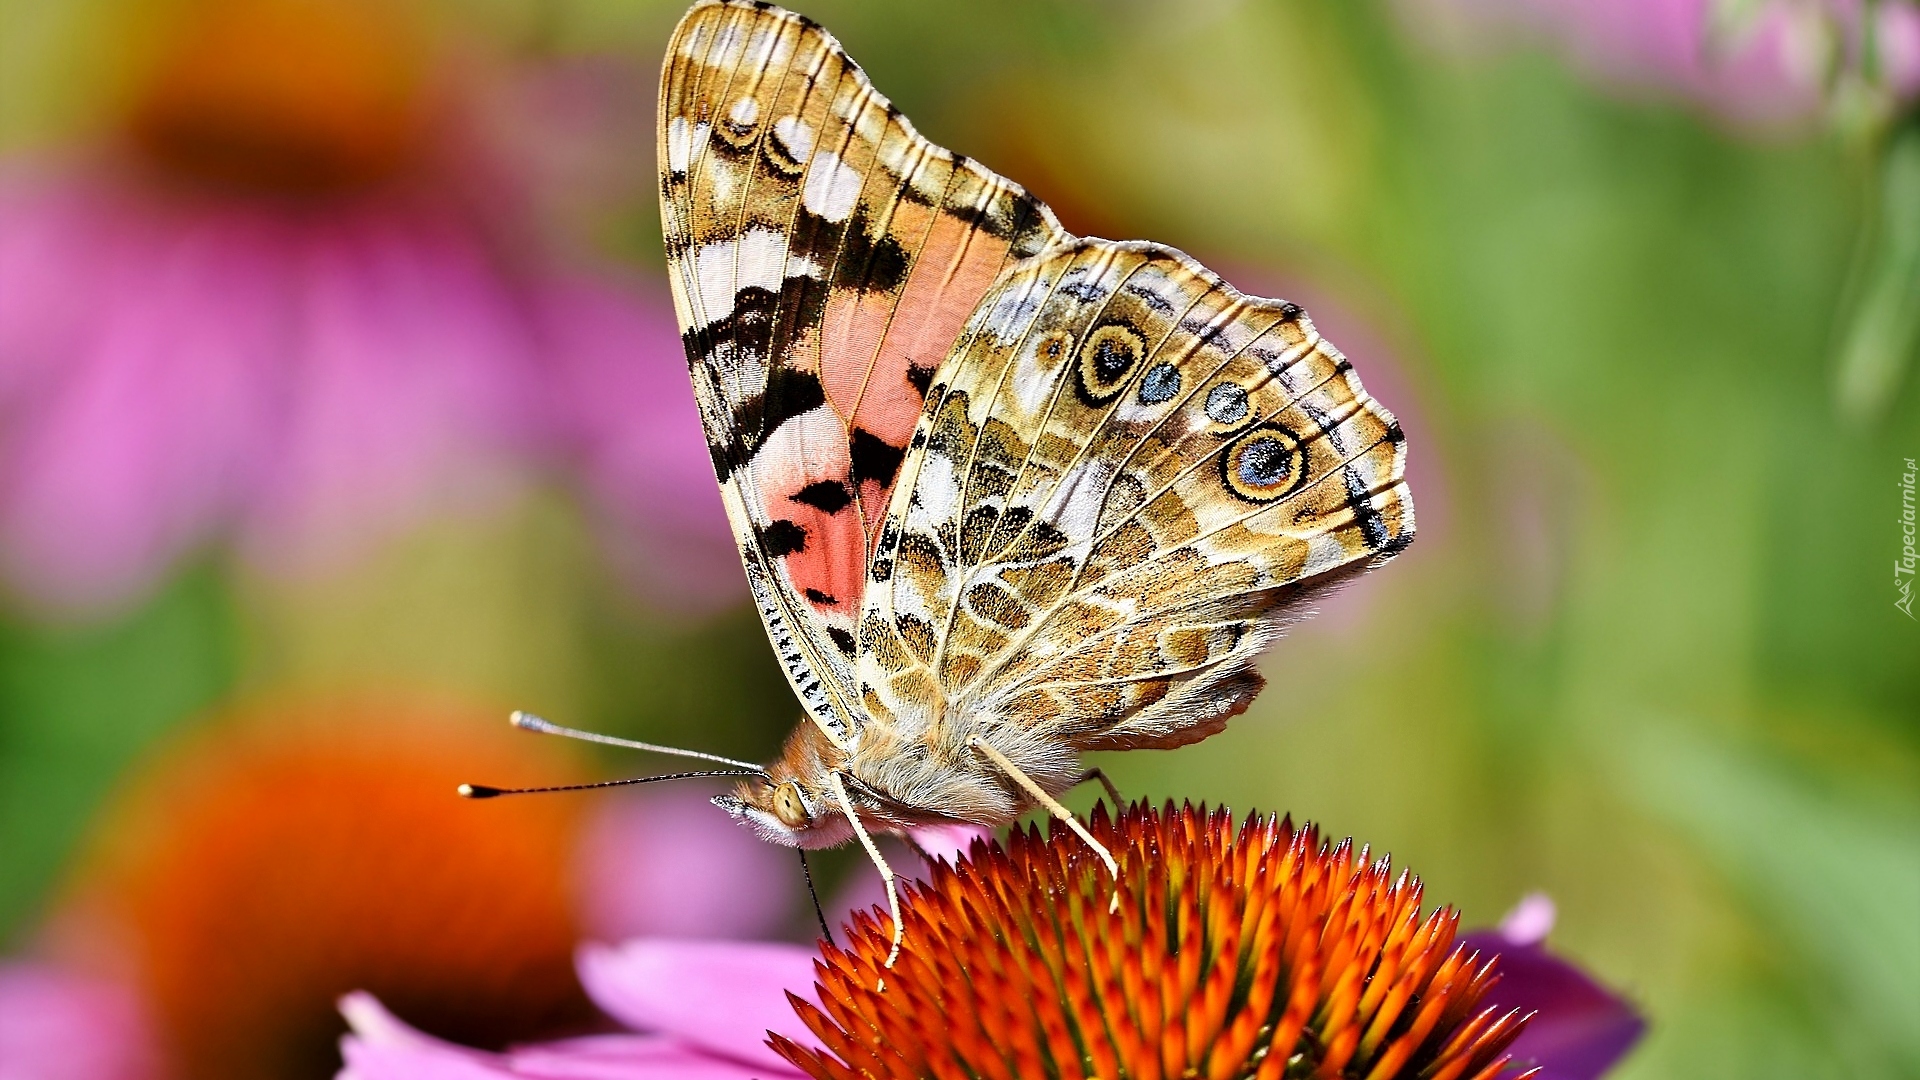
{"x": 792, "y": 805}
{"x": 788, "y": 811}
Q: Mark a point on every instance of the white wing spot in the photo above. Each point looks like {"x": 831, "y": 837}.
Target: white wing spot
{"x": 796, "y": 135}
{"x": 1324, "y": 552}
{"x": 727, "y": 48}
{"x": 694, "y": 41}
{"x": 1013, "y": 310}
{"x": 684, "y": 141}
{"x": 804, "y": 449}
{"x": 937, "y": 489}
{"x": 757, "y": 257}
{"x": 901, "y": 156}
{"x": 832, "y": 188}
{"x": 744, "y": 112}
{"x": 769, "y": 48}
{"x": 1075, "y": 506}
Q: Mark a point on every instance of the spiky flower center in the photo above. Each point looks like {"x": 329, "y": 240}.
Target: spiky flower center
{"x": 1249, "y": 951}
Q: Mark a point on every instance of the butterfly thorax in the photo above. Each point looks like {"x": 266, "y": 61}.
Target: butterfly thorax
{"x": 937, "y": 776}
{"x": 895, "y": 782}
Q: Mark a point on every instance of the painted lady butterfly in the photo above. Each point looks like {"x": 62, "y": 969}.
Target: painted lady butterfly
{"x": 1003, "y": 494}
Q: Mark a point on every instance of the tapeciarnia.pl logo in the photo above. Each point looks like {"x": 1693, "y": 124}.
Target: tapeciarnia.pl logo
{"x": 1903, "y": 567}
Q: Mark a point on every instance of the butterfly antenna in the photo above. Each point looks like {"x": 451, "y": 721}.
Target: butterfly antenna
{"x": 818, "y": 912}
{"x": 482, "y": 791}
{"x": 527, "y": 721}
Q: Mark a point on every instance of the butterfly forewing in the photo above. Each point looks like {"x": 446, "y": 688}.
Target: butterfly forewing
{"x": 824, "y": 257}
{"x": 1127, "y": 476}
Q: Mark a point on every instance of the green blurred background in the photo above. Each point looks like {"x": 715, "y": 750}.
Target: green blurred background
{"x": 1645, "y": 656}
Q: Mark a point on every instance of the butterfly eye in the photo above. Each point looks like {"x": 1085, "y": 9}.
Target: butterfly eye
{"x": 1263, "y": 465}
{"x": 790, "y": 807}
{"x": 1110, "y": 355}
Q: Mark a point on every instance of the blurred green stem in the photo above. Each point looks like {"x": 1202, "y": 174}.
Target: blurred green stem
{"x": 1879, "y": 337}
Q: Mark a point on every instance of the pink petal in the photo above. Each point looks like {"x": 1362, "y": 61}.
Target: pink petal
{"x": 366, "y": 1061}
{"x": 383, "y": 1047}
{"x": 669, "y": 864}
{"x": 721, "y": 996}
{"x": 949, "y": 842}
{"x": 58, "y": 1026}
{"x": 864, "y": 890}
{"x": 1580, "y": 1029}
{"x": 1530, "y": 921}
{"x": 627, "y": 1057}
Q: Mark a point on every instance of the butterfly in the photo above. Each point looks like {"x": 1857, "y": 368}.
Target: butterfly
{"x": 1003, "y": 494}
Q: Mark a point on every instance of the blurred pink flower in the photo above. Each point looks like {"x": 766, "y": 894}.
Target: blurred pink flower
{"x": 669, "y": 864}
{"x": 298, "y": 313}
{"x": 631, "y": 431}
{"x": 55, "y": 1025}
{"x": 706, "y": 1008}
{"x": 1774, "y": 64}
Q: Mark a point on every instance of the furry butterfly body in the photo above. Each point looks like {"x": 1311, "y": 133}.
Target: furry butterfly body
{"x": 1003, "y": 494}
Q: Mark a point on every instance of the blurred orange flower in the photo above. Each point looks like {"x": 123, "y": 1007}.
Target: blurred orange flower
{"x": 294, "y": 851}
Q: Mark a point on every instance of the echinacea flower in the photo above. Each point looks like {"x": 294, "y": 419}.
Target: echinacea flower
{"x": 1232, "y": 951}
{"x": 271, "y": 862}
{"x": 1246, "y": 951}
{"x": 296, "y": 297}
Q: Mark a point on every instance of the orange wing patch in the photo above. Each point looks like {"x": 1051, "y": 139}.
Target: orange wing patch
{"x": 823, "y": 258}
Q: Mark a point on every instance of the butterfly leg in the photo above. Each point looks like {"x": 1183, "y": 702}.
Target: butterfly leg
{"x": 1052, "y": 804}
{"x": 886, "y": 872}
{"x": 1113, "y": 793}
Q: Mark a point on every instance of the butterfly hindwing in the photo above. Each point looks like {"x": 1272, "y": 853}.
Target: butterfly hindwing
{"x": 823, "y": 258}
{"x": 1127, "y": 476}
